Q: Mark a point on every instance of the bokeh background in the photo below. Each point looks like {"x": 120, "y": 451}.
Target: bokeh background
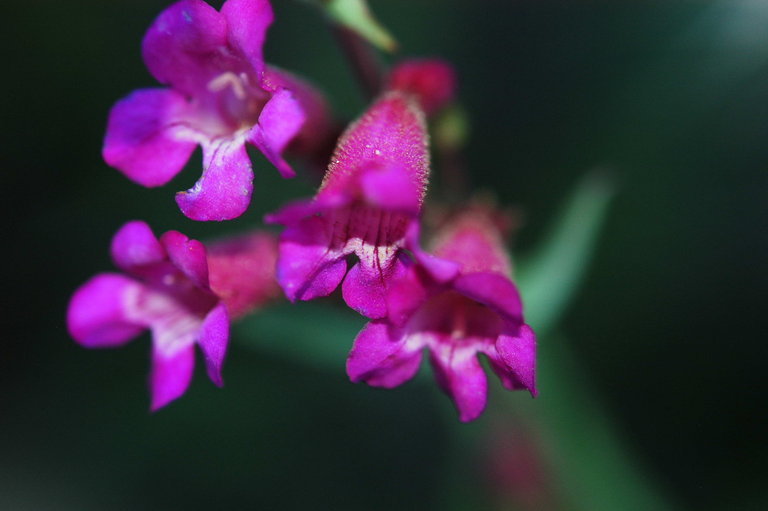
{"x": 660, "y": 399}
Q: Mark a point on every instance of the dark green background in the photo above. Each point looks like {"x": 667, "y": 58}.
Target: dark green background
{"x": 669, "y": 327}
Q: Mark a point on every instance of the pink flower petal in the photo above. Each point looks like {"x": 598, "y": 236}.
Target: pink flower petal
{"x": 373, "y": 346}
{"x": 319, "y": 132}
{"x": 187, "y": 255}
{"x": 366, "y": 288}
{"x": 391, "y": 187}
{"x": 224, "y": 190}
{"x": 461, "y": 376}
{"x": 247, "y": 24}
{"x": 171, "y": 374}
{"x": 173, "y": 325}
{"x": 135, "y": 245}
{"x": 143, "y": 136}
{"x": 182, "y": 47}
{"x": 508, "y": 380}
{"x": 97, "y": 316}
{"x": 493, "y": 290}
{"x": 518, "y": 352}
{"x": 213, "y": 340}
{"x": 400, "y": 368}
{"x": 307, "y": 267}
{"x": 382, "y": 357}
{"x": 279, "y": 121}
{"x": 440, "y": 270}
{"x": 407, "y": 294}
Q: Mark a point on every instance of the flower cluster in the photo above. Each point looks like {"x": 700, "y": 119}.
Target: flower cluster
{"x": 454, "y": 299}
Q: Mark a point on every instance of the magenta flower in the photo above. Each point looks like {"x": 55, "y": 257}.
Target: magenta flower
{"x": 431, "y": 81}
{"x": 455, "y": 315}
{"x": 167, "y": 291}
{"x": 221, "y": 96}
{"x": 372, "y": 191}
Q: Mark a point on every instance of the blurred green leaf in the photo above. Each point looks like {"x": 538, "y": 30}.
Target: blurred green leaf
{"x": 590, "y": 459}
{"x": 591, "y": 462}
{"x": 315, "y": 334}
{"x": 550, "y": 275}
{"x": 357, "y": 16}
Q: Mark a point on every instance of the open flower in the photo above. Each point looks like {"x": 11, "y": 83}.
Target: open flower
{"x": 183, "y": 293}
{"x": 221, "y": 96}
{"x": 475, "y": 308}
{"x": 372, "y": 191}
{"x": 167, "y": 291}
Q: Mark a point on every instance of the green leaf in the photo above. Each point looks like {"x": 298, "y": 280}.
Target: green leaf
{"x": 594, "y": 467}
{"x": 315, "y": 334}
{"x": 357, "y": 16}
{"x": 550, "y": 275}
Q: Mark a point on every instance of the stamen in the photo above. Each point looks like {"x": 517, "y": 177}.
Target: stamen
{"x": 230, "y": 79}
{"x": 459, "y": 322}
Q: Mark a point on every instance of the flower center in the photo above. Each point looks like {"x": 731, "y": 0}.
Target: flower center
{"x": 167, "y": 285}
{"x": 375, "y": 235}
{"x": 237, "y": 101}
{"x": 456, "y": 318}
{"x": 230, "y": 79}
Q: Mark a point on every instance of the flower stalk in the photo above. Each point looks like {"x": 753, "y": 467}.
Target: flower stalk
{"x": 362, "y": 59}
